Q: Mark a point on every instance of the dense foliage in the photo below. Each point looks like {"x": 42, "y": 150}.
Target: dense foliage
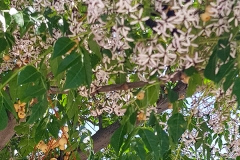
{"x": 69, "y": 63}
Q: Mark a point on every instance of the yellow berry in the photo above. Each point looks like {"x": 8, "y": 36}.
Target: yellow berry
{"x": 65, "y": 128}
{"x": 184, "y": 78}
{"x": 62, "y": 141}
{"x": 205, "y": 17}
{"x": 141, "y": 116}
{"x": 44, "y": 148}
{"x": 170, "y": 106}
{"x": 62, "y": 147}
{"x": 39, "y": 144}
{"x": 53, "y": 159}
{"x": 140, "y": 95}
{"x": 17, "y": 107}
{"x": 6, "y": 58}
{"x": 208, "y": 9}
{"x": 21, "y": 114}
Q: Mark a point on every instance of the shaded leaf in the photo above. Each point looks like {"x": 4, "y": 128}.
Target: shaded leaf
{"x": 94, "y": 47}
{"x": 149, "y": 139}
{"x": 224, "y": 70}
{"x": 177, "y": 126}
{"x": 152, "y": 94}
{"x": 38, "y": 111}
{"x": 87, "y": 67}
{"x": 53, "y": 127}
{"x": 28, "y": 74}
{"x": 117, "y": 138}
{"x": 75, "y": 76}
{"x": 236, "y": 89}
{"x": 3, "y": 44}
{"x": 172, "y": 95}
{"x": 209, "y": 71}
{"x": 3, "y": 115}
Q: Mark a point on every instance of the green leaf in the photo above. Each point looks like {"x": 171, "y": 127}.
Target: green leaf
{"x": 223, "y": 52}
{"x": 152, "y": 94}
{"x": 8, "y": 104}
{"x": 177, "y": 126}
{"x": 236, "y": 89}
{"x": 38, "y": 111}
{"x": 10, "y": 40}
{"x": 75, "y": 76}
{"x": 3, "y": 115}
{"x": 194, "y": 81}
{"x": 87, "y": 67}
{"x": 53, "y": 127}
{"x": 28, "y": 74}
{"x": 94, "y": 46}
{"x": 62, "y": 46}
{"x": 190, "y": 71}
{"x": 117, "y": 138}
{"x": 209, "y": 71}
{"x": 126, "y": 144}
{"x": 3, "y": 44}
{"x": 230, "y": 78}
{"x": 163, "y": 140}
{"x": 149, "y": 138}
{"x": 224, "y": 70}
{"x": 172, "y": 95}
{"x": 18, "y": 17}
{"x": 139, "y": 148}
{"x": 68, "y": 62}
{"x": 40, "y": 130}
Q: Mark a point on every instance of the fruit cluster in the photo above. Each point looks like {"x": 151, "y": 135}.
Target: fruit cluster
{"x": 20, "y": 109}
{"x": 206, "y": 16}
{"x": 60, "y": 143}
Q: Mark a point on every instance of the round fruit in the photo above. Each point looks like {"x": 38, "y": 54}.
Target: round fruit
{"x": 62, "y": 147}
{"x": 140, "y": 95}
{"x": 62, "y": 141}
{"x": 21, "y": 114}
{"x": 141, "y": 116}
{"x": 39, "y": 144}
{"x": 43, "y": 148}
{"x": 6, "y": 58}
{"x": 53, "y": 159}
{"x": 65, "y": 128}
{"x": 205, "y": 17}
{"x": 17, "y": 107}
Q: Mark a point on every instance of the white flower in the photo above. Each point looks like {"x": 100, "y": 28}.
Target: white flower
{"x": 139, "y": 19}
{"x": 2, "y": 20}
{"x": 13, "y": 11}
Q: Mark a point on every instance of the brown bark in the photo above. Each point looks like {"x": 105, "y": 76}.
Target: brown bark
{"x": 8, "y": 132}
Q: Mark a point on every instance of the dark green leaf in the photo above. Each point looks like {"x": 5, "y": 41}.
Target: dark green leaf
{"x": 210, "y": 69}
{"x": 40, "y": 131}
{"x": 38, "y": 111}
{"x": 62, "y": 46}
{"x": 68, "y": 62}
{"x": 117, "y": 138}
{"x": 75, "y": 76}
{"x": 10, "y": 40}
{"x": 94, "y": 47}
{"x": 53, "y": 127}
{"x": 190, "y": 71}
{"x": 28, "y": 74}
{"x": 139, "y": 148}
{"x": 224, "y": 70}
{"x": 149, "y": 138}
{"x": 172, "y": 95}
{"x": 163, "y": 140}
{"x": 177, "y": 126}
{"x": 230, "y": 78}
{"x": 223, "y": 52}
{"x": 3, "y": 44}
{"x": 236, "y": 89}
{"x": 87, "y": 67}
{"x": 3, "y": 115}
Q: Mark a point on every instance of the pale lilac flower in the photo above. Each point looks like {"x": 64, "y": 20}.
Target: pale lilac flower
{"x": 139, "y": 19}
